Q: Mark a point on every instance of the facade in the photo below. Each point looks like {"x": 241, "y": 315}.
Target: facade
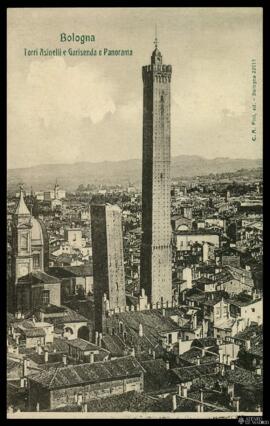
{"x": 108, "y": 260}
{"x": 156, "y": 271}
{"x": 185, "y": 239}
{"x": 37, "y": 289}
{"x": 74, "y": 237}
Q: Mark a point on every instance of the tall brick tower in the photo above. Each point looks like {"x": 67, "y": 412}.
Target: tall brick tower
{"x": 156, "y": 270}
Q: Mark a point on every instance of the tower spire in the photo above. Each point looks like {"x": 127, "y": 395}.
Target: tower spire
{"x": 21, "y": 207}
{"x": 156, "y": 39}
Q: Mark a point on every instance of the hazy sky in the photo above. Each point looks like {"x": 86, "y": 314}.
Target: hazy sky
{"x": 69, "y": 109}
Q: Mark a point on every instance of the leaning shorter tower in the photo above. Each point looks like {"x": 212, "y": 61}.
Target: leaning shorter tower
{"x": 108, "y": 261}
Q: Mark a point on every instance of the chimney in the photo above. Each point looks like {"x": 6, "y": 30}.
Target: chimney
{"x": 163, "y": 312}
{"x": 254, "y": 294}
{"x": 230, "y": 390}
{"x": 25, "y": 367}
{"x": 201, "y": 395}
{"x": 46, "y": 356}
{"x": 37, "y": 407}
{"x": 222, "y": 370}
{"x": 64, "y": 359}
{"x": 96, "y": 337}
{"x": 220, "y": 354}
{"x": 236, "y": 403}
{"x": 79, "y": 398}
{"x": 92, "y": 358}
{"x": 203, "y": 352}
{"x": 174, "y": 405}
{"x": 194, "y": 321}
{"x": 247, "y": 345}
{"x": 154, "y": 355}
{"x": 140, "y": 330}
{"x": 183, "y": 390}
{"x": 99, "y": 339}
{"x": 198, "y": 360}
{"x": 187, "y": 276}
{"x": 258, "y": 371}
{"x": 167, "y": 365}
{"x": 205, "y": 252}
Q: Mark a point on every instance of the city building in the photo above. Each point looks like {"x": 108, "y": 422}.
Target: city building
{"x": 77, "y": 384}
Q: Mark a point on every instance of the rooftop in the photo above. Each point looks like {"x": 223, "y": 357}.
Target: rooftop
{"x": 157, "y": 377}
{"x": 82, "y": 344}
{"x": 72, "y": 375}
{"x": 38, "y": 277}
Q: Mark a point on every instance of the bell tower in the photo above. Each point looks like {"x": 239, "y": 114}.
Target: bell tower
{"x": 21, "y": 240}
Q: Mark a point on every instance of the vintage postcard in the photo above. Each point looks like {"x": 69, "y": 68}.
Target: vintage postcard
{"x": 134, "y": 213}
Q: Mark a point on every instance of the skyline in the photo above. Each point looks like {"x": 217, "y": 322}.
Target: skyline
{"x": 47, "y": 102}
{"x": 136, "y": 159}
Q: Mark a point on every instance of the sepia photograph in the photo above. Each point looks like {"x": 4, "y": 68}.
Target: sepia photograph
{"x": 135, "y": 213}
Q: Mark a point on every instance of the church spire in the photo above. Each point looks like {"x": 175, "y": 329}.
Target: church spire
{"x": 156, "y": 58}
{"x": 22, "y": 207}
{"x": 156, "y": 39}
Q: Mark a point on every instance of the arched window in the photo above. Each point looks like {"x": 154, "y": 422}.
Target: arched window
{"x": 24, "y": 242}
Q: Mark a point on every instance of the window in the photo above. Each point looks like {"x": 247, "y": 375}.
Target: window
{"x": 253, "y": 309}
{"x": 36, "y": 261}
{"x": 170, "y": 338}
{"x": 45, "y": 297}
{"x": 24, "y": 241}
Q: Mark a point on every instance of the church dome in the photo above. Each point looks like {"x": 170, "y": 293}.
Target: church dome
{"x": 37, "y": 232}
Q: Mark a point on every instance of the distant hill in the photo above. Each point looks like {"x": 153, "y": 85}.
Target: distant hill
{"x": 69, "y": 176}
